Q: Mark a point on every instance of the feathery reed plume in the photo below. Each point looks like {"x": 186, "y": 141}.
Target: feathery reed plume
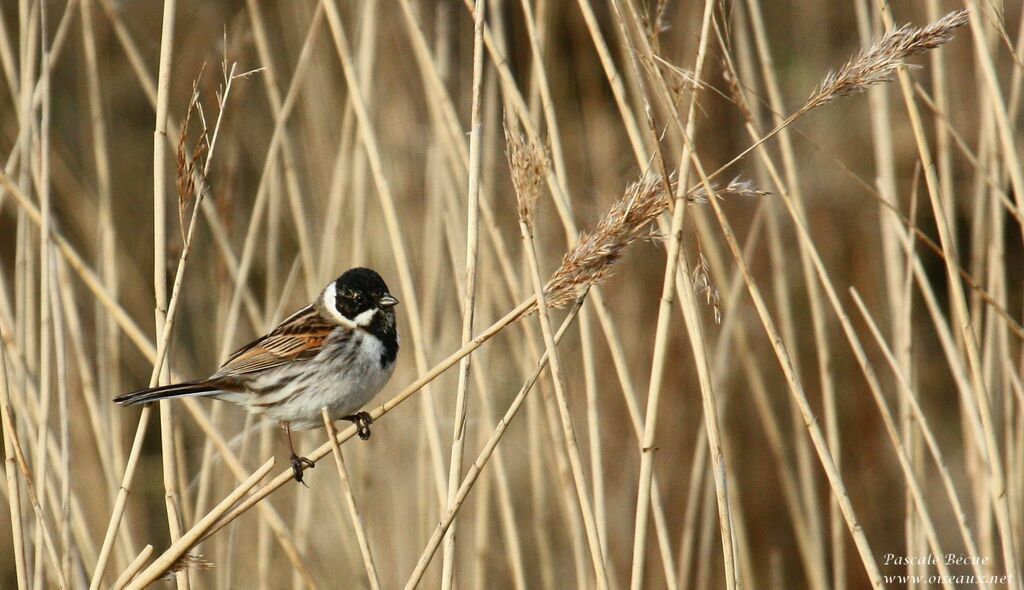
{"x": 189, "y": 161}
{"x": 189, "y": 561}
{"x": 702, "y": 285}
{"x": 628, "y": 220}
{"x": 528, "y": 164}
{"x": 735, "y": 188}
{"x": 880, "y": 62}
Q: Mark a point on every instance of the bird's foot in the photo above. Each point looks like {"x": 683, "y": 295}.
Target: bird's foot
{"x": 300, "y": 464}
{"x": 362, "y": 420}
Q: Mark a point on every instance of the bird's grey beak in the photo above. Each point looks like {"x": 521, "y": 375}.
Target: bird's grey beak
{"x": 387, "y": 301}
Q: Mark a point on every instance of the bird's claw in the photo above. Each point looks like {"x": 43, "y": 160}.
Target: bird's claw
{"x": 300, "y": 464}
{"x": 362, "y": 420}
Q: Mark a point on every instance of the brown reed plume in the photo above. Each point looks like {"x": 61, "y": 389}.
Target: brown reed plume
{"x": 868, "y": 68}
{"x": 189, "y": 161}
{"x": 880, "y": 62}
{"x": 528, "y": 164}
{"x": 590, "y": 260}
{"x": 628, "y": 220}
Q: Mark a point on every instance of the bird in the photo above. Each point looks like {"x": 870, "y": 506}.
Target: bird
{"x": 337, "y": 352}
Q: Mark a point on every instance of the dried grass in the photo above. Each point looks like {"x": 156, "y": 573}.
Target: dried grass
{"x": 545, "y": 500}
{"x": 591, "y": 258}
{"x": 528, "y": 164}
{"x": 879, "y": 63}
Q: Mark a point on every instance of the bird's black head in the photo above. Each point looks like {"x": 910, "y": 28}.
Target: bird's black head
{"x": 359, "y": 291}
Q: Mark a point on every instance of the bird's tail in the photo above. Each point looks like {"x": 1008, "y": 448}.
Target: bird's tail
{"x": 152, "y": 394}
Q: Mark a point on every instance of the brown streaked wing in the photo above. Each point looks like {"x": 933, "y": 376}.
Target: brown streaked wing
{"x": 299, "y": 337}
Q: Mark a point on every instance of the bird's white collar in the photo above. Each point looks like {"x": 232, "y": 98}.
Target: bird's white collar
{"x": 329, "y": 301}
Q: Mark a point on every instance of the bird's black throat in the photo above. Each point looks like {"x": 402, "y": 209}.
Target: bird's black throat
{"x": 383, "y": 327}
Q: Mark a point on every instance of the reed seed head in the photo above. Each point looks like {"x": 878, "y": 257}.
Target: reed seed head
{"x": 528, "y": 165}
{"x": 590, "y": 260}
{"x": 880, "y": 62}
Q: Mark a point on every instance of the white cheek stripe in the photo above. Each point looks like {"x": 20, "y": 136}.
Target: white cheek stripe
{"x": 364, "y": 319}
{"x": 330, "y": 308}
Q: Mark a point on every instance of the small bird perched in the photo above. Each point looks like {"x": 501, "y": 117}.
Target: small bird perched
{"x": 337, "y": 352}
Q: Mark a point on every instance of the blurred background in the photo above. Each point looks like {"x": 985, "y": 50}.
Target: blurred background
{"x": 291, "y": 198}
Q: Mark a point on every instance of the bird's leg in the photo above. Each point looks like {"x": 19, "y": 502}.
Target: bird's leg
{"x": 362, "y": 420}
{"x": 299, "y": 464}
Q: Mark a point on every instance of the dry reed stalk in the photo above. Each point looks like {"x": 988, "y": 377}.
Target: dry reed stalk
{"x": 188, "y": 175}
{"x": 632, "y": 129}
{"x": 538, "y": 457}
{"x": 996, "y": 487}
{"x": 509, "y": 524}
{"x": 981, "y": 168}
{"x": 143, "y": 345}
{"x": 751, "y": 366}
{"x": 110, "y": 351}
{"x": 7, "y": 60}
{"x": 48, "y": 547}
{"x": 187, "y": 169}
{"x": 350, "y": 504}
{"x": 349, "y": 174}
{"x": 833, "y": 299}
{"x": 896, "y": 275}
{"x": 28, "y": 407}
{"x": 941, "y": 464}
{"x": 1005, "y": 125}
{"x": 901, "y": 453}
{"x": 436, "y": 87}
{"x": 488, "y": 449}
{"x": 218, "y": 231}
{"x": 288, "y": 157}
{"x": 820, "y": 444}
{"x": 536, "y": 29}
{"x": 835, "y": 478}
{"x": 606, "y": 323}
{"x": 72, "y": 258}
{"x": 940, "y": 85}
{"x": 10, "y": 472}
{"x": 367, "y": 59}
{"x": 469, "y": 307}
{"x": 24, "y": 278}
{"x": 47, "y": 325}
{"x": 690, "y": 313}
{"x": 781, "y": 266}
{"x": 162, "y": 374}
{"x": 168, "y": 312}
{"x": 906, "y": 221}
{"x": 513, "y": 544}
{"x": 558, "y": 378}
{"x": 167, "y": 560}
{"x": 433, "y": 81}
{"x": 267, "y": 512}
{"x": 615, "y": 82}
{"x": 982, "y": 221}
{"x": 840, "y": 85}
{"x": 790, "y": 183}
{"x": 133, "y": 567}
{"x": 693, "y": 496}
{"x": 274, "y": 150}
